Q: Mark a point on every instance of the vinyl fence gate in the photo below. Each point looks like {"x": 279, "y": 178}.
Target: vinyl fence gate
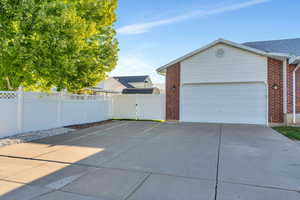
{"x": 138, "y": 106}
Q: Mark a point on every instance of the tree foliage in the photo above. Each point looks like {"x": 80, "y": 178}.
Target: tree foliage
{"x": 67, "y": 44}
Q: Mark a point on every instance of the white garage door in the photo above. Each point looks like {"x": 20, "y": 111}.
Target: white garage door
{"x": 224, "y": 103}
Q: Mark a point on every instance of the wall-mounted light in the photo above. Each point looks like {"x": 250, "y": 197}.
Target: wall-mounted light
{"x": 275, "y": 86}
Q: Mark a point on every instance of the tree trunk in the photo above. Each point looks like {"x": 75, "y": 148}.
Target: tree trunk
{"x": 8, "y": 84}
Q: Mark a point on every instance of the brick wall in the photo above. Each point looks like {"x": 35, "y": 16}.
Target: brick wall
{"x": 172, "y": 92}
{"x": 275, "y": 104}
{"x": 275, "y": 95}
{"x": 290, "y": 89}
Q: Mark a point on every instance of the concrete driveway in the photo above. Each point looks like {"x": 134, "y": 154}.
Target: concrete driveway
{"x": 154, "y": 161}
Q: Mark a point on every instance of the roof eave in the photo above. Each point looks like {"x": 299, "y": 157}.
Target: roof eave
{"x": 162, "y": 70}
{"x": 294, "y": 60}
{"x": 278, "y": 56}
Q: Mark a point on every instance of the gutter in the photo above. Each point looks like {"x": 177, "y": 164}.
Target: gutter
{"x": 294, "y": 92}
{"x": 294, "y": 60}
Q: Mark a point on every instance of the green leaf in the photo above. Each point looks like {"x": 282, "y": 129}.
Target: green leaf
{"x": 67, "y": 44}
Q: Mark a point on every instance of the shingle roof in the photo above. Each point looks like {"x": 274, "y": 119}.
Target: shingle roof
{"x": 138, "y": 91}
{"x": 287, "y": 46}
{"x": 126, "y": 80}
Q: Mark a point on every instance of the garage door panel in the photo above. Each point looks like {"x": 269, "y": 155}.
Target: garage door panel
{"x": 224, "y": 103}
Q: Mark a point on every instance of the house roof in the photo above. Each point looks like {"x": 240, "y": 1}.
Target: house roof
{"x": 138, "y": 91}
{"x": 277, "y": 55}
{"x": 287, "y": 46}
{"x": 126, "y": 80}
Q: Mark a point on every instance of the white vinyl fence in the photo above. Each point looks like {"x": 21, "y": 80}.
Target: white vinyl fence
{"x": 28, "y": 111}
{"x": 138, "y": 106}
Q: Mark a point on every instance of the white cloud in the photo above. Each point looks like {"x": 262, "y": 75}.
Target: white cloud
{"x": 133, "y": 65}
{"x": 145, "y": 27}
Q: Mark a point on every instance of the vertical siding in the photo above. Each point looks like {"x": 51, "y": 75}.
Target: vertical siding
{"x": 275, "y": 77}
{"x": 172, "y": 92}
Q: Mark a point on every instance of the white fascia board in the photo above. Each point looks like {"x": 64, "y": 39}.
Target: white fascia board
{"x": 294, "y": 60}
{"x": 187, "y": 56}
{"x": 161, "y": 70}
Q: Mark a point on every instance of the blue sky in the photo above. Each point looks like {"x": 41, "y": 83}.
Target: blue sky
{"x": 152, "y": 33}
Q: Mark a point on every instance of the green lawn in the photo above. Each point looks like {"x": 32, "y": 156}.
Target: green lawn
{"x": 291, "y": 132}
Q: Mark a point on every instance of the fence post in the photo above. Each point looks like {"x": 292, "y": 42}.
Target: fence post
{"x": 112, "y": 106}
{"x": 20, "y": 107}
{"x": 86, "y": 102}
{"x": 109, "y": 101}
{"x": 59, "y": 110}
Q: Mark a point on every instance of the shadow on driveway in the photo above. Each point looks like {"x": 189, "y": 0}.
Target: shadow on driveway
{"x": 151, "y": 161}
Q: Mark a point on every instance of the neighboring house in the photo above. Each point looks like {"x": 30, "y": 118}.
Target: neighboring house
{"x": 161, "y": 87}
{"x": 128, "y": 85}
{"x": 227, "y": 82}
{"x": 135, "y": 81}
{"x": 111, "y": 84}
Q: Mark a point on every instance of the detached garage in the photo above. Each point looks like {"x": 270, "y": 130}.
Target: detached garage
{"x": 226, "y": 82}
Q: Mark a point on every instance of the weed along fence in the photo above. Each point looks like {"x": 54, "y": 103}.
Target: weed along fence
{"x": 139, "y": 106}
{"x": 28, "y": 111}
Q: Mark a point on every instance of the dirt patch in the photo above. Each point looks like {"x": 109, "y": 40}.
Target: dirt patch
{"x": 88, "y": 125}
{"x": 33, "y": 135}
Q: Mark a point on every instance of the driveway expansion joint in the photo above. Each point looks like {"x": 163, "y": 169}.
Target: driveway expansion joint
{"x": 261, "y": 186}
{"x": 224, "y": 177}
{"x": 157, "y": 173}
{"x": 137, "y": 187}
{"x": 75, "y": 193}
{"x": 112, "y": 168}
{"x": 102, "y": 132}
{"x": 218, "y": 162}
{"x": 43, "y": 194}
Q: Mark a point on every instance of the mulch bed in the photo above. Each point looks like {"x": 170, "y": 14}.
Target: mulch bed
{"x": 83, "y": 126}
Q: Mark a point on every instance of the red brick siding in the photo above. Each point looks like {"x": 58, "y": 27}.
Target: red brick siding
{"x": 172, "y": 92}
{"x": 290, "y": 89}
{"x": 275, "y": 96}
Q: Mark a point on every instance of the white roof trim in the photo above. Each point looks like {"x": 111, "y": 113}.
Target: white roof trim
{"x": 294, "y": 60}
{"x": 230, "y": 43}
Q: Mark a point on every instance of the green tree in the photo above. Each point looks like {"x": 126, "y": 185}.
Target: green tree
{"x": 67, "y": 44}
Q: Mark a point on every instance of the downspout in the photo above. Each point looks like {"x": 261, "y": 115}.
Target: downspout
{"x": 294, "y": 93}
{"x": 285, "y": 66}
